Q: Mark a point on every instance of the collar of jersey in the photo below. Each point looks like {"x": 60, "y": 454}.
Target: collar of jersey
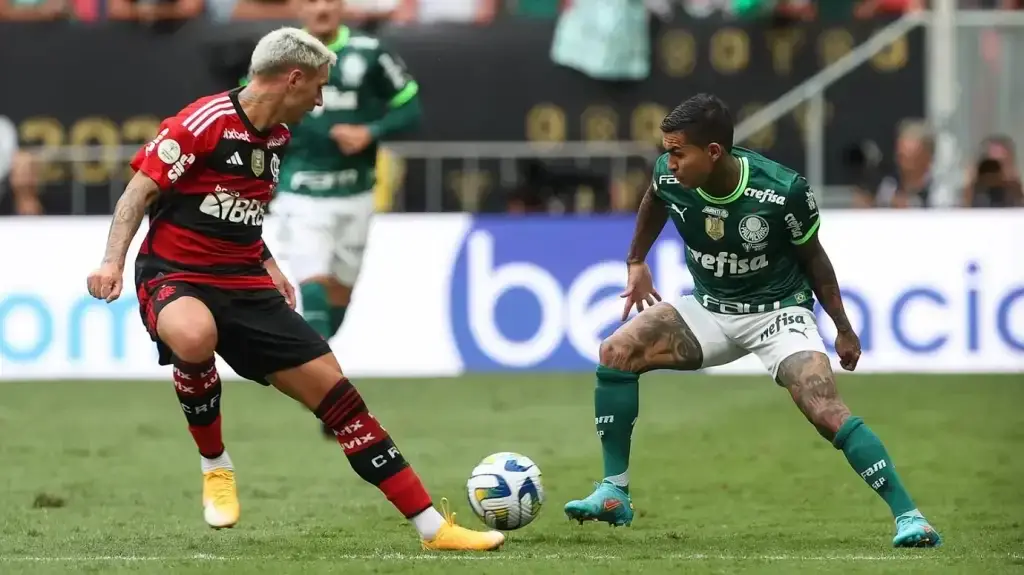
{"x": 744, "y": 177}
{"x": 340, "y": 41}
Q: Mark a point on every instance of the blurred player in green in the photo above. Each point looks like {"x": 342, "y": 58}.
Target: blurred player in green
{"x": 750, "y": 227}
{"x": 325, "y": 198}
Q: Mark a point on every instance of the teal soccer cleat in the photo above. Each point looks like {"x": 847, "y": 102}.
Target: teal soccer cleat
{"x": 607, "y": 503}
{"x": 913, "y": 530}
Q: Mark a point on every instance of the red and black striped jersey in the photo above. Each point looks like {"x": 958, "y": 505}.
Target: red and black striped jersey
{"x": 217, "y": 173}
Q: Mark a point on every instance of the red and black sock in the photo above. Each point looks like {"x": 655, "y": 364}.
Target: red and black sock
{"x": 198, "y": 388}
{"x": 370, "y": 450}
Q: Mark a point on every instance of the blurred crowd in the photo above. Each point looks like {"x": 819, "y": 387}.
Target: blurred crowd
{"x": 373, "y": 12}
{"x": 991, "y": 180}
{"x": 991, "y": 177}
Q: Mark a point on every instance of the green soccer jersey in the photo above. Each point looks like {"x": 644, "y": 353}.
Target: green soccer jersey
{"x": 366, "y": 82}
{"x": 739, "y": 249}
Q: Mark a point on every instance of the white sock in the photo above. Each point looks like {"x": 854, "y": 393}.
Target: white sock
{"x": 620, "y": 480}
{"x": 223, "y": 461}
{"x": 428, "y": 523}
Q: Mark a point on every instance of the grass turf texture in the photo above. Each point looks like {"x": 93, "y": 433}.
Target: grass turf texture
{"x": 727, "y": 478}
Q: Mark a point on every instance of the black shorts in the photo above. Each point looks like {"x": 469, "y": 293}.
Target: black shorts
{"x": 257, "y": 333}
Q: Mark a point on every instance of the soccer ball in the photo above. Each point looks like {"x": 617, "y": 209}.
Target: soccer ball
{"x": 505, "y": 491}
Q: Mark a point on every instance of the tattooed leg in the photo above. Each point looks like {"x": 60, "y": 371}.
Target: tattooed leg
{"x": 658, "y": 338}
{"x": 809, "y": 379}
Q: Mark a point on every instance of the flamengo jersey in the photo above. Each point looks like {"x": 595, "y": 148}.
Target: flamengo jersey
{"x": 739, "y": 249}
{"x": 217, "y": 173}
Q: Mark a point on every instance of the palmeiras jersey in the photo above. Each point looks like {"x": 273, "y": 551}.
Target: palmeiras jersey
{"x": 740, "y": 248}
{"x": 367, "y": 81}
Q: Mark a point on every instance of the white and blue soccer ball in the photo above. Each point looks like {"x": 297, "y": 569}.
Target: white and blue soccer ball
{"x": 505, "y": 491}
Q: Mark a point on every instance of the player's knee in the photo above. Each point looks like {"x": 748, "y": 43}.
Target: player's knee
{"x": 194, "y": 346}
{"x": 619, "y": 352}
{"x": 338, "y": 294}
{"x": 188, "y": 328}
{"x": 311, "y": 382}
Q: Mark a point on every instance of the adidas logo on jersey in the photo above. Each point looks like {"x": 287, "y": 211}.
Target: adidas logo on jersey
{"x": 235, "y": 135}
{"x": 227, "y": 205}
{"x": 763, "y": 196}
{"x": 235, "y": 160}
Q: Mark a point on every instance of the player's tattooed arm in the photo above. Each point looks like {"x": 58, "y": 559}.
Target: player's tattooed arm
{"x": 128, "y": 214}
{"x": 818, "y": 268}
{"x": 650, "y": 220}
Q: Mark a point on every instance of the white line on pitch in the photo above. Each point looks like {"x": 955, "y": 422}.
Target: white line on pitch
{"x": 490, "y": 557}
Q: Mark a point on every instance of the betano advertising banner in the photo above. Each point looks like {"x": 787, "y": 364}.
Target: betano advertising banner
{"x": 443, "y": 295}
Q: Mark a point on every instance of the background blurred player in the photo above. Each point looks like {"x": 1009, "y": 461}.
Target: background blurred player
{"x": 750, "y": 229}
{"x": 207, "y": 283}
{"x": 326, "y": 199}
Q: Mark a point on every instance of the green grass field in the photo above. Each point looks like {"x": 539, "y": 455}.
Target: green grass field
{"x": 727, "y": 478}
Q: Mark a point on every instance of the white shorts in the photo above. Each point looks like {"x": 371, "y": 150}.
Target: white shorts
{"x": 772, "y": 336}
{"x": 324, "y": 236}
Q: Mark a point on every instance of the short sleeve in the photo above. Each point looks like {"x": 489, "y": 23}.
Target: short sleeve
{"x": 802, "y": 218}
{"x": 168, "y": 157}
{"x": 392, "y": 81}
{"x": 660, "y": 177}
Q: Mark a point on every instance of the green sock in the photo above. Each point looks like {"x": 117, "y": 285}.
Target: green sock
{"x": 616, "y": 407}
{"x": 314, "y": 308}
{"x": 868, "y": 457}
{"x": 337, "y": 317}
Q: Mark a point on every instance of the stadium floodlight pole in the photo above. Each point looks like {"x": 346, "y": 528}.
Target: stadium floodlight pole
{"x": 818, "y": 83}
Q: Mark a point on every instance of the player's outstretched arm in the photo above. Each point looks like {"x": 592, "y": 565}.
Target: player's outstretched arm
{"x": 818, "y": 268}
{"x": 822, "y": 276}
{"x": 650, "y": 220}
{"x": 128, "y": 214}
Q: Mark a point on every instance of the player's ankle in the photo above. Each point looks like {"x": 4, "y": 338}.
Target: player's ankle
{"x": 428, "y": 523}
{"x": 222, "y": 461}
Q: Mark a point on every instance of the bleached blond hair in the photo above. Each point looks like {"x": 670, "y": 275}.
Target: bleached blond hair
{"x": 286, "y": 48}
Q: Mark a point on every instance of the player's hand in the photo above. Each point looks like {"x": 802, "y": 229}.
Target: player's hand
{"x": 105, "y": 282}
{"x": 848, "y": 349}
{"x": 351, "y": 139}
{"x": 639, "y": 289}
{"x": 281, "y": 282}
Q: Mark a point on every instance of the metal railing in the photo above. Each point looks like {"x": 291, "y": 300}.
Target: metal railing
{"x": 812, "y": 91}
{"x": 974, "y": 87}
{"x": 427, "y": 176}
{"x": 970, "y": 94}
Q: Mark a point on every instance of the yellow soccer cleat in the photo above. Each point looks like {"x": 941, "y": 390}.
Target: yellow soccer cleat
{"x": 451, "y": 537}
{"x": 220, "y": 499}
